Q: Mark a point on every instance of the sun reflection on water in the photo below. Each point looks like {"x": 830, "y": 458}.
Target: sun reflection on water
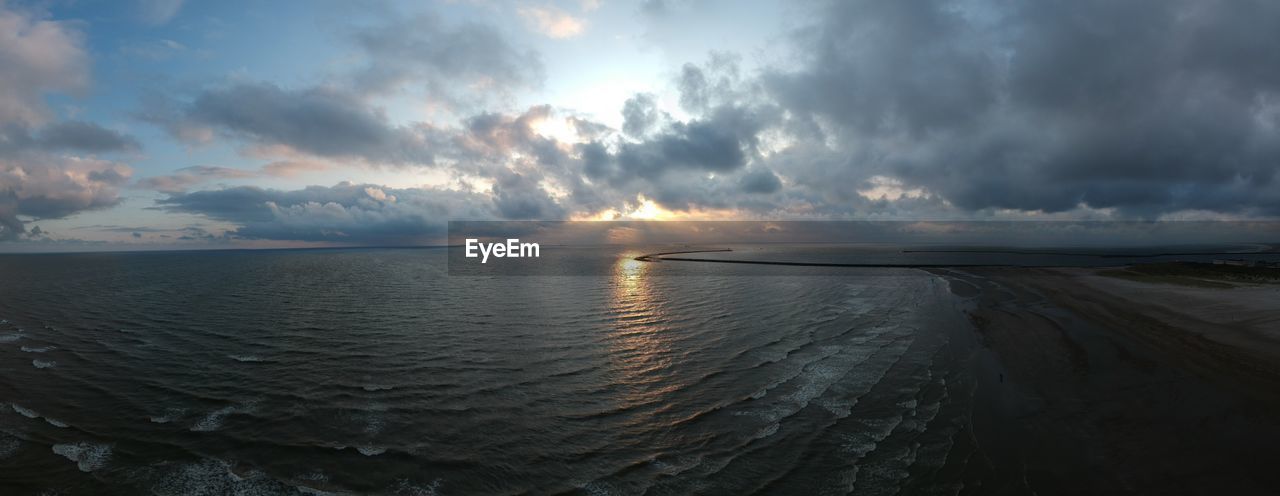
{"x": 641, "y": 349}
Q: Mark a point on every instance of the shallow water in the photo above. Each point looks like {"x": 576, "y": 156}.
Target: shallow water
{"x": 373, "y": 371}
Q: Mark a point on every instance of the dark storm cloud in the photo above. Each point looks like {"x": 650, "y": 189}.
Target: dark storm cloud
{"x": 518, "y": 196}
{"x": 319, "y": 121}
{"x": 1143, "y": 106}
{"x": 64, "y": 136}
{"x": 85, "y": 137}
{"x": 719, "y": 143}
{"x": 640, "y": 113}
{"x": 760, "y": 181}
{"x": 422, "y": 52}
{"x": 693, "y": 88}
{"x": 344, "y": 213}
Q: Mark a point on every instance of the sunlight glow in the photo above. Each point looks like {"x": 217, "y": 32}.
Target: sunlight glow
{"x": 646, "y": 209}
{"x": 557, "y": 128}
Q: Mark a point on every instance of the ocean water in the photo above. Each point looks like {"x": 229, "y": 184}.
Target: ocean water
{"x": 375, "y": 372}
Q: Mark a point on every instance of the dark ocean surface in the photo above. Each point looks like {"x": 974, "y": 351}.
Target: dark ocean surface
{"x": 372, "y": 371}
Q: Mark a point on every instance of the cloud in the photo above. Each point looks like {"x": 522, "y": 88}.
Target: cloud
{"x": 187, "y": 177}
{"x": 553, "y": 22}
{"x": 520, "y": 197}
{"x": 64, "y": 136}
{"x": 720, "y": 142}
{"x": 38, "y": 56}
{"x": 291, "y": 168}
{"x": 640, "y": 113}
{"x": 319, "y": 121}
{"x": 761, "y": 181}
{"x": 39, "y": 179}
{"x": 462, "y": 65}
{"x": 345, "y": 213}
{"x": 1145, "y": 107}
{"x": 85, "y": 137}
{"x": 55, "y": 187}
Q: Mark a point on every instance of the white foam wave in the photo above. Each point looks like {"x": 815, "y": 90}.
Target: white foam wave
{"x": 88, "y": 456}
{"x": 371, "y": 450}
{"x": 213, "y": 421}
{"x": 24, "y": 411}
{"x": 9, "y": 338}
{"x": 375, "y": 387}
{"x": 37, "y": 349}
{"x": 32, "y": 414}
{"x": 44, "y": 364}
{"x": 209, "y": 477}
{"x": 245, "y": 358}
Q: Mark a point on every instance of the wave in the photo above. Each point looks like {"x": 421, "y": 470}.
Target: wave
{"x": 371, "y": 450}
{"x": 405, "y": 488}
{"x": 245, "y": 358}
{"x": 32, "y": 414}
{"x": 212, "y": 476}
{"x": 88, "y": 456}
{"x": 8, "y": 446}
{"x": 768, "y": 431}
{"x": 169, "y": 416}
{"x": 24, "y": 411}
{"x": 213, "y": 421}
{"x": 37, "y": 349}
{"x": 9, "y": 338}
{"x": 44, "y": 364}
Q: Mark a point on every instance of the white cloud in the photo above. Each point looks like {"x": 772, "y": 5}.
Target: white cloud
{"x": 38, "y": 56}
{"x": 553, "y": 22}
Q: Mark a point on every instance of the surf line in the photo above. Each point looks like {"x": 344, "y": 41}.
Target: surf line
{"x": 663, "y": 257}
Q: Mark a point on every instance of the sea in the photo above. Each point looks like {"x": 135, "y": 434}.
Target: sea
{"x": 377, "y": 371}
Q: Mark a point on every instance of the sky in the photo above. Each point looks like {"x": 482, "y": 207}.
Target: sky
{"x": 162, "y": 124}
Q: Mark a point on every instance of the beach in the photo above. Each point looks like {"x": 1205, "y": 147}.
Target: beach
{"x": 1093, "y": 384}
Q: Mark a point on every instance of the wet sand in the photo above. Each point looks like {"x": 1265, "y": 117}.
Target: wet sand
{"x": 1093, "y": 385}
